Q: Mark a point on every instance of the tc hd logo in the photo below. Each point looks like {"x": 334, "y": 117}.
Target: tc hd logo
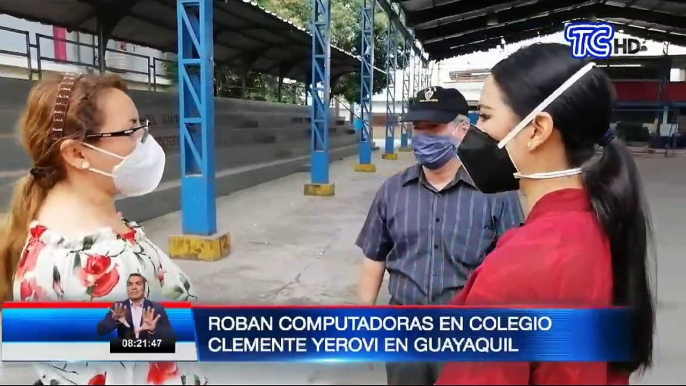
{"x": 590, "y": 39}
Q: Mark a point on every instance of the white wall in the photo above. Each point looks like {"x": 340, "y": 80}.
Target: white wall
{"x": 488, "y": 59}
{"x": 17, "y": 66}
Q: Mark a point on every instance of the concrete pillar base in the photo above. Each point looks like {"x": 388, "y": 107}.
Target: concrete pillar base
{"x": 325, "y": 190}
{"x": 365, "y": 168}
{"x": 391, "y": 156}
{"x": 203, "y": 248}
{"x": 405, "y": 149}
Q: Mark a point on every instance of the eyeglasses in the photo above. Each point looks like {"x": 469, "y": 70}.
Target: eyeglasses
{"x": 145, "y": 126}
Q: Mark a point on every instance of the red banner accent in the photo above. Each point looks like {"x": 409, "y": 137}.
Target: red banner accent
{"x": 676, "y": 92}
{"x": 60, "y": 45}
{"x": 636, "y": 91}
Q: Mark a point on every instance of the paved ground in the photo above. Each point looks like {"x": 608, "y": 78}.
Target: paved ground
{"x": 289, "y": 248}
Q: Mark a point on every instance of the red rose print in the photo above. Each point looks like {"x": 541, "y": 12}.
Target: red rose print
{"x": 37, "y": 231}
{"x": 98, "y": 379}
{"x": 99, "y": 275}
{"x": 160, "y": 274}
{"x": 130, "y": 236}
{"x": 29, "y": 290}
{"x": 29, "y": 256}
{"x": 160, "y": 372}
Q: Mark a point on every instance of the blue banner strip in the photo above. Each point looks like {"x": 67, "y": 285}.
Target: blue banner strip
{"x": 349, "y": 334}
{"x": 76, "y": 324}
{"x": 412, "y": 334}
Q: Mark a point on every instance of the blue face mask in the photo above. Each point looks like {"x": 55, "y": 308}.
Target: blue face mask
{"x": 434, "y": 151}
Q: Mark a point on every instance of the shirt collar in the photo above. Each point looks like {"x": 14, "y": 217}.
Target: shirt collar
{"x": 141, "y": 304}
{"x": 416, "y": 172}
{"x": 564, "y": 200}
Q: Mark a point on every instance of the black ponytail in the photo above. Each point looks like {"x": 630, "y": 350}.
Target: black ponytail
{"x": 617, "y": 196}
{"x": 582, "y": 116}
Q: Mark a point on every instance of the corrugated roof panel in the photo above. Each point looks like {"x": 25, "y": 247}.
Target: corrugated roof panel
{"x": 449, "y": 28}
{"x": 152, "y": 23}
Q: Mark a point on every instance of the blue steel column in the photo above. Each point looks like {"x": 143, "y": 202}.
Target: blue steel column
{"x": 319, "y": 91}
{"x": 366, "y": 86}
{"x": 391, "y": 67}
{"x": 664, "y": 102}
{"x": 405, "y": 63}
{"x": 427, "y": 75}
{"x": 416, "y": 85}
{"x": 473, "y": 117}
{"x": 196, "y": 116}
{"x": 665, "y": 69}
{"x": 416, "y": 75}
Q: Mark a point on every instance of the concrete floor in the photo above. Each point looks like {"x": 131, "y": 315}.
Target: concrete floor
{"x": 292, "y": 249}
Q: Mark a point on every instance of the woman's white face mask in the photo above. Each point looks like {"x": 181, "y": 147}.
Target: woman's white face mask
{"x": 527, "y": 120}
{"x": 138, "y": 173}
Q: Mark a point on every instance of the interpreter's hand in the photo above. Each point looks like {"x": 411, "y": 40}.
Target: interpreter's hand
{"x": 149, "y": 320}
{"x": 119, "y": 311}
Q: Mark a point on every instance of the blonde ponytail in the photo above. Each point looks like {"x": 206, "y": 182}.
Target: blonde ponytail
{"x": 27, "y": 200}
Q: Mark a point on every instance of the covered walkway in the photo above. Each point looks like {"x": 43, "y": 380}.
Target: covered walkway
{"x": 295, "y": 249}
{"x": 245, "y": 35}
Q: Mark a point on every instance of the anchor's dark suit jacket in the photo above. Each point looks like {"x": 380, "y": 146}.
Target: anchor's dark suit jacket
{"x": 163, "y": 329}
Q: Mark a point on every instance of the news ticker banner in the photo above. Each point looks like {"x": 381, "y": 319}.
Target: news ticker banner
{"x": 56, "y": 331}
{"x": 67, "y": 332}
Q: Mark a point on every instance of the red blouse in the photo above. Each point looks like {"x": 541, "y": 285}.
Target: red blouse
{"x": 560, "y": 257}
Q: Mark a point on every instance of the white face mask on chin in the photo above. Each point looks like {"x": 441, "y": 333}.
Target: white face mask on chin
{"x": 138, "y": 173}
{"x": 527, "y": 120}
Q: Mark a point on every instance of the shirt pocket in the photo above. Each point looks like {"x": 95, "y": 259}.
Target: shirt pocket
{"x": 473, "y": 244}
{"x": 409, "y": 230}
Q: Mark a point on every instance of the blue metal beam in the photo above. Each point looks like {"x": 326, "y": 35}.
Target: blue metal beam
{"x": 648, "y": 106}
{"x": 417, "y": 83}
{"x": 473, "y": 117}
{"x": 426, "y": 76}
{"x": 665, "y": 69}
{"x": 319, "y": 90}
{"x": 391, "y": 67}
{"x": 638, "y": 108}
{"x": 196, "y": 113}
{"x": 366, "y": 81}
{"x": 405, "y": 63}
{"x": 416, "y": 76}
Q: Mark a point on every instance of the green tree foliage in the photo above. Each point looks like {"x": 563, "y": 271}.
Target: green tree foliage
{"x": 348, "y": 85}
{"x": 345, "y": 34}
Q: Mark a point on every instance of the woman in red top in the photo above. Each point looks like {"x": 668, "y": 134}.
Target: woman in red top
{"x": 585, "y": 241}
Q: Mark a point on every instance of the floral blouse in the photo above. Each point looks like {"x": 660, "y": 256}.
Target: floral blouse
{"x": 96, "y": 268}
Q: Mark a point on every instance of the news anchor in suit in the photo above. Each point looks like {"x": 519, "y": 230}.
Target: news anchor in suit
{"x": 137, "y": 317}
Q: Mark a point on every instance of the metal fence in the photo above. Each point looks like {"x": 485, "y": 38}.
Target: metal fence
{"x": 150, "y": 68}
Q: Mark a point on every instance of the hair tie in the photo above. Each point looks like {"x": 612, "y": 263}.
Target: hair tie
{"x": 607, "y": 138}
{"x": 35, "y": 172}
